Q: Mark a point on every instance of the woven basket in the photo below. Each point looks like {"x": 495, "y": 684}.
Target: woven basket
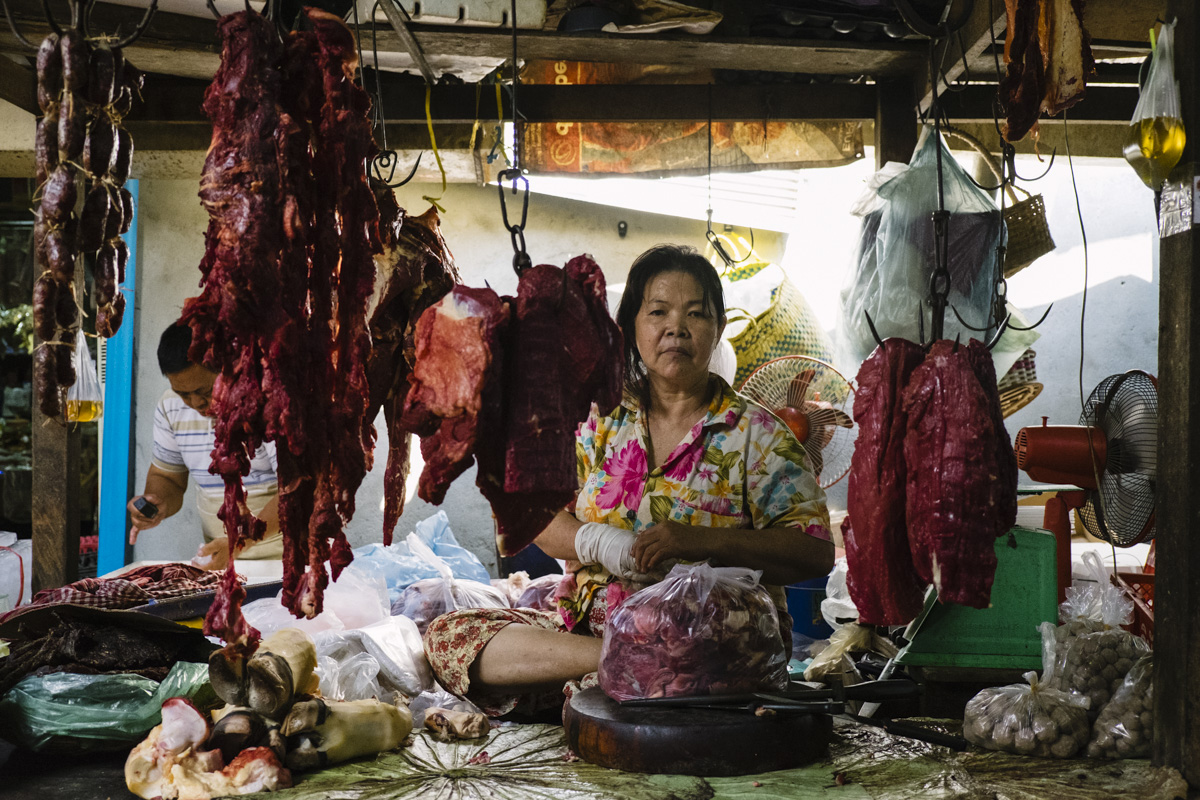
{"x": 1019, "y": 386}
{"x": 788, "y": 327}
{"x": 1028, "y": 232}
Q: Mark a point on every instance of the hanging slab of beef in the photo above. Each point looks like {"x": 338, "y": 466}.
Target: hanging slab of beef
{"x": 458, "y": 363}
{"x": 881, "y": 579}
{"x": 565, "y": 354}
{"x": 956, "y": 481}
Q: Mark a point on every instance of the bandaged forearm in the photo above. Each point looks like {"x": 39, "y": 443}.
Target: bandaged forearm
{"x": 610, "y": 547}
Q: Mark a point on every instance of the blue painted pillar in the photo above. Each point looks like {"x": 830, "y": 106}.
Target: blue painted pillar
{"x": 116, "y": 472}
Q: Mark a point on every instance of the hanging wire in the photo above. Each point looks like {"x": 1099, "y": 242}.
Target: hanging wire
{"x": 712, "y": 236}
{"x": 382, "y": 168}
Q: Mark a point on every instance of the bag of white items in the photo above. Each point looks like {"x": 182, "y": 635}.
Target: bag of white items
{"x": 1094, "y": 654}
{"x": 702, "y": 630}
{"x": 425, "y": 600}
{"x": 1125, "y": 726}
{"x": 1032, "y": 718}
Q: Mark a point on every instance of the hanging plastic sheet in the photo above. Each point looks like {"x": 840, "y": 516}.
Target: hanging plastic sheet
{"x": 895, "y": 256}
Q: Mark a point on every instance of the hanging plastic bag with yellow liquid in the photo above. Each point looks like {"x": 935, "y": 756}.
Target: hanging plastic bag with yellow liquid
{"x": 1156, "y": 137}
{"x": 85, "y": 403}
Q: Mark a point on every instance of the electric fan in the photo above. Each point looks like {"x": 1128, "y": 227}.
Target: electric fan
{"x": 1111, "y": 455}
{"x": 815, "y": 401}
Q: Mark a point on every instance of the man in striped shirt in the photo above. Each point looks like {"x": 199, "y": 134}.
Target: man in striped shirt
{"x": 183, "y": 443}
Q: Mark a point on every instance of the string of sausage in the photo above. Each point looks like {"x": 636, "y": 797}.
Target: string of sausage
{"x": 82, "y": 160}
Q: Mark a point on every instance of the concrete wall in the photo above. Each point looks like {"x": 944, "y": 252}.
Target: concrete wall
{"x": 171, "y": 244}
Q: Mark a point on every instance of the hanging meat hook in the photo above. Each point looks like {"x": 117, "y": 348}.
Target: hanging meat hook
{"x": 385, "y": 160}
{"x": 871, "y": 325}
{"x": 137, "y": 31}
{"x": 521, "y": 259}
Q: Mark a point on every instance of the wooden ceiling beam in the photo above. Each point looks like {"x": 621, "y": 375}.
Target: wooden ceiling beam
{"x": 177, "y": 44}
{"x": 18, "y": 85}
{"x": 178, "y": 101}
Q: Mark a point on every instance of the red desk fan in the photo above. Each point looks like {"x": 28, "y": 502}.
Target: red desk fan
{"x": 1111, "y": 455}
{"x": 815, "y": 401}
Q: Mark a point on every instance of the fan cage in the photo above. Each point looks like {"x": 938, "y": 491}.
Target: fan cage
{"x": 1125, "y": 408}
{"x": 768, "y": 386}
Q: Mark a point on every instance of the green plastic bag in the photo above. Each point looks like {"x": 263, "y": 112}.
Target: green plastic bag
{"x": 66, "y": 711}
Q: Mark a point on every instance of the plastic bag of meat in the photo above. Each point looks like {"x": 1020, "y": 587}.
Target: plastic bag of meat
{"x": 539, "y": 594}
{"x": 702, "y": 630}
{"x": 1125, "y": 726}
{"x": 425, "y": 600}
{"x": 1032, "y": 718}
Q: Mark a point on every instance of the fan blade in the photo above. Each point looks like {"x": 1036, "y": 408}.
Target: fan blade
{"x": 798, "y": 389}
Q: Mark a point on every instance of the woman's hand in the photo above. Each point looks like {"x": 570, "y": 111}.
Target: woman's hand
{"x": 670, "y": 541}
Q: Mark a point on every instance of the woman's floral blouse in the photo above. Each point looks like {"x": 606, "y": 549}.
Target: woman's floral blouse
{"x": 739, "y": 467}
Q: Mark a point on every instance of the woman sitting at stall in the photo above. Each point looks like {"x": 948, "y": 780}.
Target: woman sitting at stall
{"x": 685, "y": 469}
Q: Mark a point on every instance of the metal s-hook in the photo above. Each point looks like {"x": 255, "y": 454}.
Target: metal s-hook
{"x": 141, "y": 26}
{"x": 388, "y": 160}
{"x": 1041, "y": 319}
{"x": 521, "y": 259}
{"x": 999, "y": 332}
{"x": 12, "y": 25}
{"x": 1013, "y": 166}
{"x": 213, "y": 8}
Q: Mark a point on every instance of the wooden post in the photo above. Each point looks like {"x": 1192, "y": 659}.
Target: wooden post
{"x": 895, "y": 121}
{"x": 56, "y": 482}
{"x": 55, "y": 501}
{"x": 1177, "y": 583}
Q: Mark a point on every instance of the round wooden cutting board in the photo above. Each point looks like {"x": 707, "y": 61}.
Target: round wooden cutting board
{"x": 687, "y": 741}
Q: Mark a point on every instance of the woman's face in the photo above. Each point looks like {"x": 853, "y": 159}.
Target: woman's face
{"x": 676, "y": 333}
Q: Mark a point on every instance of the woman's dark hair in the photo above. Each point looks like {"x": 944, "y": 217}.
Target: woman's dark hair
{"x": 173, "y": 349}
{"x": 646, "y": 267}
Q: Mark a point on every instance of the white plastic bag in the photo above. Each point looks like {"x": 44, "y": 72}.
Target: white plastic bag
{"x": 1093, "y": 653}
{"x": 381, "y": 660}
{"x": 437, "y": 697}
{"x": 895, "y": 257}
{"x": 837, "y": 604}
{"x": 16, "y": 571}
{"x": 425, "y": 600}
{"x": 355, "y": 600}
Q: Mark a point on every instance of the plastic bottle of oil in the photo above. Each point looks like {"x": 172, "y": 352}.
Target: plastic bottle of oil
{"x": 84, "y": 410}
{"x": 1153, "y": 147}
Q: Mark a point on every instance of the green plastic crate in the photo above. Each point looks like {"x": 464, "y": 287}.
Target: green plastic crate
{"x": 1005, "y": 636}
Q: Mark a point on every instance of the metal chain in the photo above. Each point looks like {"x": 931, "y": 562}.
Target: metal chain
{"x": 516, "y": 232}
{"x": 939, "y": 281}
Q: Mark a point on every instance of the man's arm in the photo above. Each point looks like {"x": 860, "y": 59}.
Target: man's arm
{"x": 165, "y": 490}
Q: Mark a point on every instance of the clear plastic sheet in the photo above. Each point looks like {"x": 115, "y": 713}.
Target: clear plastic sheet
{"x": 895, "y": 256}
{"x": 355, "y": 600}
{"x": 425, "y": 600}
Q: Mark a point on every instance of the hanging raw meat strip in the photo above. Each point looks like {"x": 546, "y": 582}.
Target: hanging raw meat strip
{"x": 287, "y": 273}
{"x": 882, "y": 581}
{"x": 416, "y": 270}
{"x": 951, "y": 452}
{"x": 240, "y": 190}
